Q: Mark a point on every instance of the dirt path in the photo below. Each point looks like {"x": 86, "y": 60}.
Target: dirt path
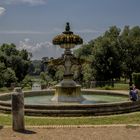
{"x": 128, "y": 132}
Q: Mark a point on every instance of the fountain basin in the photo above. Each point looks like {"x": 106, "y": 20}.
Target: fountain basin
{"x": 72, "y": 109}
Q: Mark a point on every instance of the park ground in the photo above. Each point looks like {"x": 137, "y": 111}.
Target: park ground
{"x": 103, "y": 132}
{"x": 116, "y": 127}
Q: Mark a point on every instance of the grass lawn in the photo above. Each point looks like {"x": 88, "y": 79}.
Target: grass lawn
{"x": 131, "y": 118}
{"x": 117, "y": 86}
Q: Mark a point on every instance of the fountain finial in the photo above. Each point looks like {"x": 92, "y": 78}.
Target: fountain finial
{"x": 67, "y": 28}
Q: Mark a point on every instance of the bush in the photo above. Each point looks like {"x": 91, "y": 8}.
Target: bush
{"x": 136, "y": 79}
{"x": 4, "y": 89}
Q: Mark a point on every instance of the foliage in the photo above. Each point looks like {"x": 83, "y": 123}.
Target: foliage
{"x": 35, "y": 67}
{"x": 106, "y": 56}
{"x": 84, "y": 73}
{"x": 59, "y": 73}
{"x": 13, "y": 64}
{"x": 85, "y": 52}
{"x": 2, "y": 69}
{"x": 51, "y": 70}
{"x": 46, "y": 80}
{"x": 113, "y": 55}
{"x": 9, "y": 77}
{"x": 130, "y": 42}
{"x": 77, "y": 73}
{"x": 136, "y": 79}
{"x": 87, "y": 73}
{"x": 27, "y": 82}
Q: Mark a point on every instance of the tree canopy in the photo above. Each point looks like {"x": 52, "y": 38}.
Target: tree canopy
{"x": 114, "y": 54}
{"x": 13, "y": 64}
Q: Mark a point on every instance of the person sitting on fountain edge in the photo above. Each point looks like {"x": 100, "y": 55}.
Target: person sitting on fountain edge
{"x": 133, "y": 93}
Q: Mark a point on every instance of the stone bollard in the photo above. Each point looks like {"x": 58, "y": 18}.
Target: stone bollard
{"x": 18, "y": 109}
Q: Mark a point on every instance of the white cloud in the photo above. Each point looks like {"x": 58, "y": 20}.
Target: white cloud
{"x": 33, "y": 47}
{"x": 40, "y": 49}
{"x": 31, "y": 2}
{"x": 2, "y": 10}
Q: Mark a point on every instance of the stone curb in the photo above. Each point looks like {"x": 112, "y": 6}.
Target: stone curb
{"x": 78, "y": 126}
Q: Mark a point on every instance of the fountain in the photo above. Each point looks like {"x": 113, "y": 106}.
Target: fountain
{"x": 68, "y": 99}
{"x": 68, "y": 90}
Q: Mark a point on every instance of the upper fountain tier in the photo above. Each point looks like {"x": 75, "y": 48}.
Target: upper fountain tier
{"x": 67, "y": 39}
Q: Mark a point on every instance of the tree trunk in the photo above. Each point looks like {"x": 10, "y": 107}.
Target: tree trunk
{"x": 130, "y": 80}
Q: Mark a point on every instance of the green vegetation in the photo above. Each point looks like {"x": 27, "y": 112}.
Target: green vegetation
{"x": 132, "y": 118}
{"x": 113, "y": 55}
{"x": 136, "y": 79}
{"x": 117, "y": 86}
{"x": 4, "y": 90}
{"x": 13, "y": 64}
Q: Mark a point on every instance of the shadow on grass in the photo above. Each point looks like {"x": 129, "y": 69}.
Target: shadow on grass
{"x": 25, "y": 131}
{"x": 1, "y": 126}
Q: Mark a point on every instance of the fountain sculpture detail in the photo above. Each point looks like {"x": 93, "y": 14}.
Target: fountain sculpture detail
{"x": 67, "y": 90}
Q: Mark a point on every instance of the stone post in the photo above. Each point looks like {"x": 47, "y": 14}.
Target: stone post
{"x": 18, "y": 109}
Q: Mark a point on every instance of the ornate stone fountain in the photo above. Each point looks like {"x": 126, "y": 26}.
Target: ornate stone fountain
{"x": 67, "y": 90}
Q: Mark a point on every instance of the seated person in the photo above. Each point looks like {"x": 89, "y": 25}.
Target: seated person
{"x": 133, "y": 94}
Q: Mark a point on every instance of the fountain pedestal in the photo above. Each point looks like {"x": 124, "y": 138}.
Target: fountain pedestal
{"x": 68, "y": 91}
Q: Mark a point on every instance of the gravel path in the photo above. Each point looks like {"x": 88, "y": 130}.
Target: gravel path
{"x": 119, "y": 132}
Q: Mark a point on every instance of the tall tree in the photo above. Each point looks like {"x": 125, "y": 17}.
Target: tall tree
{"x": 17, "y": 61}
{"x": 130, "y": 42}
{"x": 107, "y": 62}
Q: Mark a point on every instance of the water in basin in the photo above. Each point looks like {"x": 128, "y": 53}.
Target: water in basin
{"x": 90, "y": 99}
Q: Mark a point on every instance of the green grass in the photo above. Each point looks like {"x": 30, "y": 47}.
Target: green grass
{"x": 117, "y": 86}
{"x": 5, "y": 90}
{"x": 131, "y": 118}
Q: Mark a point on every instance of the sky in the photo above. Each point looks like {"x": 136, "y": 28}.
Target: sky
{"x": 32, "y": 24}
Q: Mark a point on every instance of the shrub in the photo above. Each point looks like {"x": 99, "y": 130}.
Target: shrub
{"x": 136, "y": 79}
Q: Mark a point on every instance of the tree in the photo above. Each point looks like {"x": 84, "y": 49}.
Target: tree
{"x": 85, "y": 52}
{"x": 87, "y": 74}
{"x": 107, "y": 60}
{"x": 15, "y": 61}
{"x": 2, "y": 68}
{"x": 114, "y": 54}
{"x": 9, "y": 77}
{"x": 9, "y": 49}
{"x": 130, "y": 42}
{"x": 59, "y": 73}
{"x": 20, "y": 66}
{"x": 51, "y": 70}
{"x": 83, "y": 72}
{"x": 25, "y": 55}
{"x": 35, "y": 67}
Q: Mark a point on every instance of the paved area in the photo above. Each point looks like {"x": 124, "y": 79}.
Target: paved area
{"x": 112, "y": 132}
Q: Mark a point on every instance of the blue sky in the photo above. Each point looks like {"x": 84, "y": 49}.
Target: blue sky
{"x": 32, "y": 24}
